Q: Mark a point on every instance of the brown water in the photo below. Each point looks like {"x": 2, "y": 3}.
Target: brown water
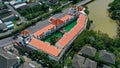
{"x": 99, "y": 15}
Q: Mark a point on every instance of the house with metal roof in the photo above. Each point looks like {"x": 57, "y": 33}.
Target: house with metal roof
{"x": 9, "y": 24}
{"x": 19, "y": 5}
{"x": 107, "y": 57}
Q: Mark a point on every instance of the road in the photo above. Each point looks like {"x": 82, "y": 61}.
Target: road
{"x": 40, "y": 24}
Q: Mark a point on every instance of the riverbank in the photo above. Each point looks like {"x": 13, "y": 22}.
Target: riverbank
{"x": 118, "y": 28}
{"x": 99, "y": 15}
{"x": 115, "y": 14}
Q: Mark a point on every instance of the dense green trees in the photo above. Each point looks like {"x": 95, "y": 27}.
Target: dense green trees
{"x": 115, "y": 12}
{"x": 22, "y": 60}
{"x": 75, "y": 1}
{"x": 99, "y": 41}
{"x": 33, "y": 11}
{"x": 43, "y": 59}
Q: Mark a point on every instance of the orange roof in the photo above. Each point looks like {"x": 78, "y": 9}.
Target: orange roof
{"x": 61, "y": 20}
{"x": 80, "y": 8}
{"x": 56, "y": 21}
{"x": 43, "y": 30}
{"x": 72, "y": 33}
{"x": 45, "y": 46}
{"x": 74, "y": 6}
{"x": 26, "y": 32}
{"x": 66, "y": 17}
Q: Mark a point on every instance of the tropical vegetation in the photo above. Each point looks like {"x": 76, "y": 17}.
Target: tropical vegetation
{"x": 33, "y": 11}
{"x": 114, "y": 10}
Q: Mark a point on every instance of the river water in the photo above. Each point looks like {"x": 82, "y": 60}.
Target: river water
{"x": 101, "y": 20}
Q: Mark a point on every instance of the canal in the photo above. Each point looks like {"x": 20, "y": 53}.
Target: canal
{"x": 101, "y": 20}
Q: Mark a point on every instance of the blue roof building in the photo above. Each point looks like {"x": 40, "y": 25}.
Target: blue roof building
{"x": 21, "y": 0}
{"x": 8, "y": 23}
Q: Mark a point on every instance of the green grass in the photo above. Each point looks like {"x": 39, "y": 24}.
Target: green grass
{"x": 70, "y": 26}
{"x": 58, "y": 33}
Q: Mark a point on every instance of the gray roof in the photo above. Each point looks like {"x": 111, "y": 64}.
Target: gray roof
{"x": 7, "y": 60}
{"x": 2, "y": 26}
{"x": 105, "y": 66}
{"x": 87, "y": 50}
{"x": 78, "y": 61}
{"x": 81, "y": 62}
{"x": 52, "y": 1}
{"x": 90, "y": 64}
{"x": 4, "y": 15}
{"x": 107, "y": 57}
{"x": 25, "y": 65}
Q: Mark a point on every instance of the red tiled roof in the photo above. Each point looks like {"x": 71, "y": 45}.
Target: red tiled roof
{"x": 80, "y": 8}
{"x": 61, "y": 20}
{"x": 74, "y": 6}
{"x": 56, "y": 21}
{"x": 72, "y": 33}
{"x": 25, "y": 32}
{"x": 66, "y": 17}
{"x": 50, "y": 49}
{"x": 45, "y": 46}
{"x": 43, "y": 30}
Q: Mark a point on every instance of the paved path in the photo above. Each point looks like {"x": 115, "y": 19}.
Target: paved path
{"x": 41, "y": 24}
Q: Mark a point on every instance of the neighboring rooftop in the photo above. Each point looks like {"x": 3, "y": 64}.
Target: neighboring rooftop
{"x": 90, "y": 63}
{"x": 7, "y": 59}
{"x": 82, "y": 62}
{"x": 88, "y": 50}
{"x": 107, "y": 57}
{"x": 78, "y": 61}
